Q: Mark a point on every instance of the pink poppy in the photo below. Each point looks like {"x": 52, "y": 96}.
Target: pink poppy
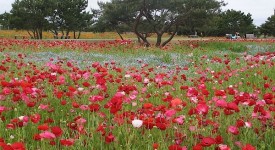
{"x": 47, "y": 135}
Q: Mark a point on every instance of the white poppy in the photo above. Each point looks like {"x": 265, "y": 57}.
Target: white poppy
{"x": 137, "y": 123}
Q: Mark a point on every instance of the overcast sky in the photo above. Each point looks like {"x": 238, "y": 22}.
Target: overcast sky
{"x": 260, "y": 9}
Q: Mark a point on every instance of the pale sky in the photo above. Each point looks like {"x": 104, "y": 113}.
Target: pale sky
{"x": 260, "y": 9}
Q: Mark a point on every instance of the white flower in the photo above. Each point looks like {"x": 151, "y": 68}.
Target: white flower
{"x": 80, "y": 89}
{"x": 248, "y": 124}
{"x": 21, "y": 118}
{"x": 146, "y": 80}
{"x": 127, "y": 76}
{"x": 137, "y": 123}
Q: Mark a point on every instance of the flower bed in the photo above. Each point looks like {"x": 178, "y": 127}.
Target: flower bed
{"x": 115, "y": 95}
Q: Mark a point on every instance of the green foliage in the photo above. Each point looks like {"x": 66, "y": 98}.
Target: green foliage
{"x": 200, "y": 15}
{"x": 157, "y": 16}
{"x": 114, "y": 16}
{"x": 38, "y": 15}
{"x": 268, "y": 28}
{"x": 232, "y": 21}
{"x": 70, "y": 15}
{"x": 31, "y": 15}
{"x": 5, "y": 20}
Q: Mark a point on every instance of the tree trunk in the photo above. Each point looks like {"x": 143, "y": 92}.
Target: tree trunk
{"x": 67, "y": 34}
{"x": 170, "y": 38}
{"x": 31, "y": 35}
{"x": 139, "y": 41}
{"x": 119, "y": 34}
{"x": 79, "y": 33}
{"x": 36, "y": 34}
{"x": 158, "y": 40}
{"x": 40, "y": 34}
{"x": 147, "y": 44}
{"x": 74, "y": 35}
{"x": 55, "y": 33}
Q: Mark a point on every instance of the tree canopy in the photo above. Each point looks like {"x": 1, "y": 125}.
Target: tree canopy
{"x": 268, "y": 28}
{"x": 31, "y": 15}
{"x": 70, "y": 15}
{"x": 157, "y": 16}
{"x": 232, "y": 21}
{"x": 5, "y": 20}
{"x": 38, "y": 15}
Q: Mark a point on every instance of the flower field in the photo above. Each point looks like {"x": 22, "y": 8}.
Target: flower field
{"x": 112, "y": 95}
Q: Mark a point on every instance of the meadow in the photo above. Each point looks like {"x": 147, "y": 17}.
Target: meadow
{"x": 192, "y": 94}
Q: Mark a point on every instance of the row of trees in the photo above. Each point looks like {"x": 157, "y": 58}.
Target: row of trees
{"x": 36, "y": 16}
{"x": 143, "y": 17}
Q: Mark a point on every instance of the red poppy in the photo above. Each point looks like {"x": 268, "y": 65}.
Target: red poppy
{"x": 147, "y": 105}
{"x": 75, "y": 105}
{"x": 18, "y": 146}
{"x": 148, "y": 124}
{"x": 72, "y": 125}
{"x": 67, "y": 142}
{"x": 219, "y": 139}
{"x": 63, "y": 102}
{"x": 248, "y": 147}
{"x": 57, "y": 131}
{"x": 240, "y": 123}
{"x": 37, "y": 137}
{"x": 43, "y": 127}
{"x": 35, "y": 118}
{"x": 205, "y": 92}
{"x": 109, "y": 138}
{"x": 198, "y": 147}
{"x": 86, "y": 84}
{"x": 161, "y": 126}
{"x": 207, "y": 141}
{"x": 2, "y": 140}
{"x": 176, "y": 102}
{"x": 233, "y": 129}
{"x": 202, "y": 109}
{"x": 220, "y": 93}
{"x": 155, "y": 146}
{"x": 233, "y": 106}
{"x": 222, "y": 147}
{"x": 175, "y": 147}
{"x": 268, "y": 96}
{"x": 31, "y": 104}
{"x": 48, "y": 120}
{"x": 94, "y": 107}
{"x": 52, "y": 143}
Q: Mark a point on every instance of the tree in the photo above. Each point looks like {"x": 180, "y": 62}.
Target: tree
{"x": 54, "y": 15}
{"x": 158, "y": 16}
{"x": 70, "y": 16}
{"x": 232, "y": 21}
{"x": 202, "y": 16}
{"x": 268, "y": 28}
{"x": 5, "y": 20}
{"x": 114, "y": 16}
{"x": 31, "y": 15}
